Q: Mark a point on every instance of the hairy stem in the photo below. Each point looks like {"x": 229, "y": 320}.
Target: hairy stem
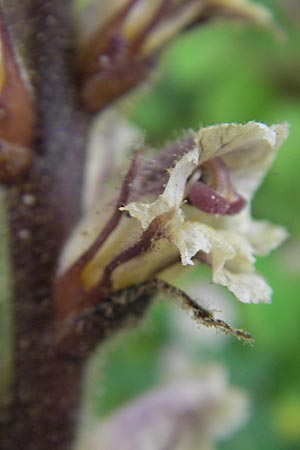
{"x": 43, "y": 209}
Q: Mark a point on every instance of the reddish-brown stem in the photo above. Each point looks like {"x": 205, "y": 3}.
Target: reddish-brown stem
{"x": 43, "y": 208}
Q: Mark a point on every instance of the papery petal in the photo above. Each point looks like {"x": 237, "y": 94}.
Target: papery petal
{"x": 247, "y": 287}
{"x": 265, "y": 237}
{"x": 230, "y": 255}
{"x": 191, "y": 238}
{"x": 173, "y": 194}
{"x": 175, "y": 187}
{"x": 261, "y": 234}
{"x": 154, "y": 173}
{"x": 247, "y": 149}
{"x": 237, "y": 272}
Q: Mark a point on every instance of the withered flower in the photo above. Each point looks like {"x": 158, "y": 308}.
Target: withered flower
{"x": 204, "y": 210}
{"x": 189, "y": 204}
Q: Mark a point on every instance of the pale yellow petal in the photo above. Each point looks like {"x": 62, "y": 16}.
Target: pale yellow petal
{"x": 172, "y": 26}
{"x": 265, "y": 237}
{"x": 261, "y": 234}
{"x": 190, "y": 238}
{"x": 238, "y": 272}
{"x": 247, "y": 149}
{"x": 173, "y": 194}
{"x": 247, "y": 287}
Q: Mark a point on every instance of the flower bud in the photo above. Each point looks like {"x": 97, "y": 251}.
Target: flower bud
{"x": 125, "y": 38}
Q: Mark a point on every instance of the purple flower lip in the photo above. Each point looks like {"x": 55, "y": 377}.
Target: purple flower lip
{"x": 212, "y": 191}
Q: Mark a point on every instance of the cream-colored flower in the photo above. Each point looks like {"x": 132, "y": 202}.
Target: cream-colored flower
{"x": 227, "y": 242}
{"x": 191, "y": 203}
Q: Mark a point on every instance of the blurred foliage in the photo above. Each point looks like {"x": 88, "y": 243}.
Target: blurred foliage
{"x": 222, "y": 73}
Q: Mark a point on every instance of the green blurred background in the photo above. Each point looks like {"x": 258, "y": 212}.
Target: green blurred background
{"x": 220, "y": 73}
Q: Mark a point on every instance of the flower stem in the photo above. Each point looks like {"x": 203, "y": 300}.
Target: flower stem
{"x": 43, "y": 208}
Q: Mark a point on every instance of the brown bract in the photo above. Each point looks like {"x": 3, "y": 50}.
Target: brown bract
{"x": 126, "y": 40}
{"x": 17, "y": 115}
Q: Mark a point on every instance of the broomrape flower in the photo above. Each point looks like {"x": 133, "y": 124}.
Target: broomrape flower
{"x": 189, "y": 204}
{"x": 205, "y": 212}
{"x": 187, "y": 414}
